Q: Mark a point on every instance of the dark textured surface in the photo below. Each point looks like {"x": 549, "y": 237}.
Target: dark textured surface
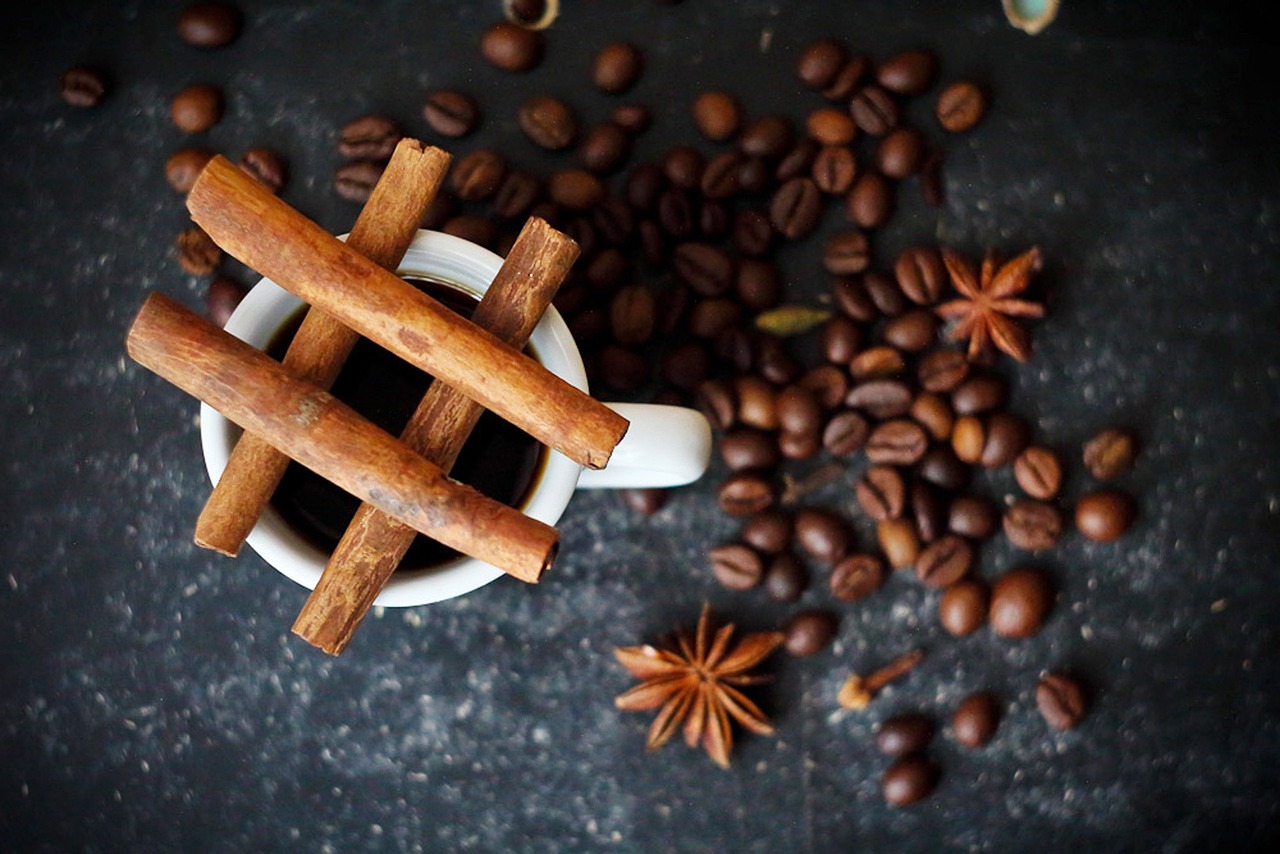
{"x": 152, "y": 698}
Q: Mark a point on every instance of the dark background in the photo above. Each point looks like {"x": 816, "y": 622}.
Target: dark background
{"x": 152, "y": 697}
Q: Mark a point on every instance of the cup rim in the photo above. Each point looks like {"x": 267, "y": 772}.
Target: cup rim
{"x": 462, "y": 264}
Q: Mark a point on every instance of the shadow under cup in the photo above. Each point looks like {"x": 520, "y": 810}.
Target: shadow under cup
{"x": 291, "y": 543}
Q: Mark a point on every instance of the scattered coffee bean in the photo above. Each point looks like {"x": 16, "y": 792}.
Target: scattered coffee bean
{"x": 963, "y": 607}
{"x": 1110, "y": 453}
{"x": 840, "y": 339}
{"x": 757, "y": 284}
{"x": 786, "y": 578}
{"x": 221, "y": 298}
{"x": 645, "y": 501}
{"x": 736, "y": 566}
{"x": 907, "y": 73}
{"x": 834, "y": 169}
{"x": 976, "y": 718}
{"x": 548, "y": 122}
{"x": 961, "y": 106}
{"x": 904, "y": 734}
{"x": 845, "y": 433}
{"x": 266, "y": 166}
{"x": 1020, "y": 599}
{"x": 1105, "y": 515}
{"x": 748, "y": 448}
{"x": 1038, "y": 472}
{"x": 809, "y": 632}
{"x": 682, "y": 166}
{"x": 623, "y": 368}
{"x": 604, "y": 148}
{"x": 617, "y": 68}
{"x": 900, "y": 153}
{"x": 829, "y": 126}
{"x": 898, "y": 541}
{"x": 942, "y": 370}
{"x": 822, "y": 534}
{"x": 354, "y": 181}
{"x": 82, "y": 86}
{"x": 819, "y": 62}
{"x": 870, "y": 201}
{"x": 477, "y": 175}
{"x": 576, "y": 189}
{"x": 197, "y": 253}
{"x": 768, "y": 531}
{"x": 898, "y": 441}
{"x": 747, "y": 492}
{"x": 909, "y": 780}
{"x": 716, "y": 115}
{"x": 1032, "y": 525}
{"x": 768, "y": 136}
{"x": 973, "y": 517}
{"x": 473, "y": 228}
{"x": 828, "y": 383}
{"x": 934, "y": 414}
{"x": 798, "y": 410}
{"x": 846, "y": 252}
{"x": 874, "y": 111}
{"x": 706, "y": 268}
{"x": 719, "y": 178}
{"x": 516, "y": 194}
{"x": 880, "y": 398}
{"x": 632, "y": 314}
{"x": 968, "y": 438}
{"x": 511, "y": 48}
{"x": 945, "y": 561}
{"x": 184, "y": 166}
{"x": 881, "y": 493}
{"x": 1007, "y": 437}
{"x": 921, "y": 274}
{"x": 752, "y": 231}
{"x": 633, "y": 118}
{"x": 196, "y": 108}
{"x": 856, "y": 577}
{"x": 978, "y": 394}
{"x": 209, "y": 24}
{"x": 912, "y": 331}
{"x": 450, "y": 113}
{"x": 884, "y": 293}
{"x": 796, "y": 208}
{"x": 1061, "y": 700}
{"x": 718, "y": 401}
{"x": 847, "y": 80}
{"x": 370, "y": 137}
{"x": 877, "y": 363}
{"x": 941, "y": 467}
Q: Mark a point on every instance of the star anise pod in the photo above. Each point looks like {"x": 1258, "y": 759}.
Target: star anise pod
{"x": 695, "y": 680}
{"x": 985, "y": 313}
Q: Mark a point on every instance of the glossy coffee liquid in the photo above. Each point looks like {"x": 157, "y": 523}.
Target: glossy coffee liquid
{"x": 498, "y": 459}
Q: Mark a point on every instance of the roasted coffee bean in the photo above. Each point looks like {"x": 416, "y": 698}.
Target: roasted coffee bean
{"x": 900, "y": 153}
{"x": 713, "y": 219}
{"x": 899, "y": 441}
{"x": 683, "y": 166}
{"x": 477, "y": 175}
{"x": 511, "y": 48}
{"x": 908, "y": 780}
{"x": 979, "y": 393}
{"x": 809, "y": 632}
{"x": 265, "y": 166}
{"x": 604, "y": 148}
{"x": 711, "y": 316}
{"x": 796, "y": 162}
{"x": 881, "y": 398}
{"x": 834, "y": 169}
{"x": 757, "y": 284}
{"x": 845, "y": 433}
{"x": 942, "y": 370}
{"x": 976, "y": 718}
{"x": 184, "y": 166}
{"x": 819, "y": 62}
{"x": 898, "y": 541}
{"x": 870, "y": 201}
{"x": 839, "y": 339}
{"x": 798, "y": 410}
{"x": 576, "y": 189}
{"x": 1007, "y": 436}
{"x": 769, "y": 531}
{"x": 644, "y": 186}
{"x": 370, "y": 137}
{"x": 934, "y": 414}
{"x": 973, "y": 516}
{"x": 851, "y": 298}
{"x": 736, "y": 566}
{"x": 632, "y": 314}
{"x": 754, "y": 175}
{"x": 646, "y": 500}
{"x": 196, "y": 108}
{"x": 786, "y": 578}
{"x": 968, "y": 438}
{"x": 800, "y": 446}
{"x": 796, "y": 208}
{"x": 516, "y": 194}
{"x": 1110, "y": 453}
{"x": 614, "y": 220}
{"x": 717, "y": 399}
{"x": 677, "y": 214}
{"x": 737, "y": 348}
{"x": 548, "y": 122}
{"x": 623, "y": 368}
{"x": 1061, "y": 700}
{"x": 962, "y": 610}
{"x": 822, "y": 534}
{"x": 1105, "y": 515}
{"x": 884, "y": 293}
{"x": 828, "y": 383}
{"x": 881, "y": 493}
{"x": 941, "y": 467}
{"x": 221, "y": 298}
{"x": 633, "y": 118}
{"x": 617, "y": 67}
{"x": 770, "y": 356}
{"x": 716, "y": 115}
{"x": 757, "y": 402}
{"x": 472, "y": 227}
{"x": 846, "y": 252}
{"x": 912, "y": 331}
{"x": 704, "y": 267}
{"x": 829, "y": 126}
{"x": 877, "y": 363}
{"x": 907, "y": 73}
{"x": 921, "y": 274}
{"x": 1020, "y": 599}
{"x": 768, "y": 136}
{"x": 209, "y": 24}
{"x": 874, "y": 111}
{"x": 82, "y": 86}
{"x": 929, "y": 510}
{"x": 904, "y": 734}
{"x": 944, "y": 561}
{"x": 197, "y": 253}
{"x": 847, "y": 80}
{"x": 450, "y": 112}
{"x": 686, "y": 365}
{"x": 720, "y": 176}
{"x": 752, "y": 233}
{"x": 960, "y": 106}
{"x": 354, "y": 181}
{"x": 1032, "y": 525}
{"x": 653, "y": 243}
{"x": 856, "y": 577}
{"x": 1038, "y": 472}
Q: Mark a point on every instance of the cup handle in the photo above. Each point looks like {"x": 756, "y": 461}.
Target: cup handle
{"x": 664, "y": 446}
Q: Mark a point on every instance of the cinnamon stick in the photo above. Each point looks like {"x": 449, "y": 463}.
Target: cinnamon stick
{"x": 325, "y": 435}
{"x": 251, "y": 224}
{"x": 375, "y": 542}
{"x": 382, "y": 233}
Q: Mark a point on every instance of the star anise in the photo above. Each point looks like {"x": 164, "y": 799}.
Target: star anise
{"x": 695, "y": 681}
{"x": 985, "y": 313}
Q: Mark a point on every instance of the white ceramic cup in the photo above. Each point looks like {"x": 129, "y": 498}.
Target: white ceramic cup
{"x": 664, "y": 446}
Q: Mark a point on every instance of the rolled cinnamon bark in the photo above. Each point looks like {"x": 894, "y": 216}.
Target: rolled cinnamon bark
{"x": 325, "y": 435}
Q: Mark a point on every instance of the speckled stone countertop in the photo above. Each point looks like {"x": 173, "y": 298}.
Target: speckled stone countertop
{"x": 153, "y": 699}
